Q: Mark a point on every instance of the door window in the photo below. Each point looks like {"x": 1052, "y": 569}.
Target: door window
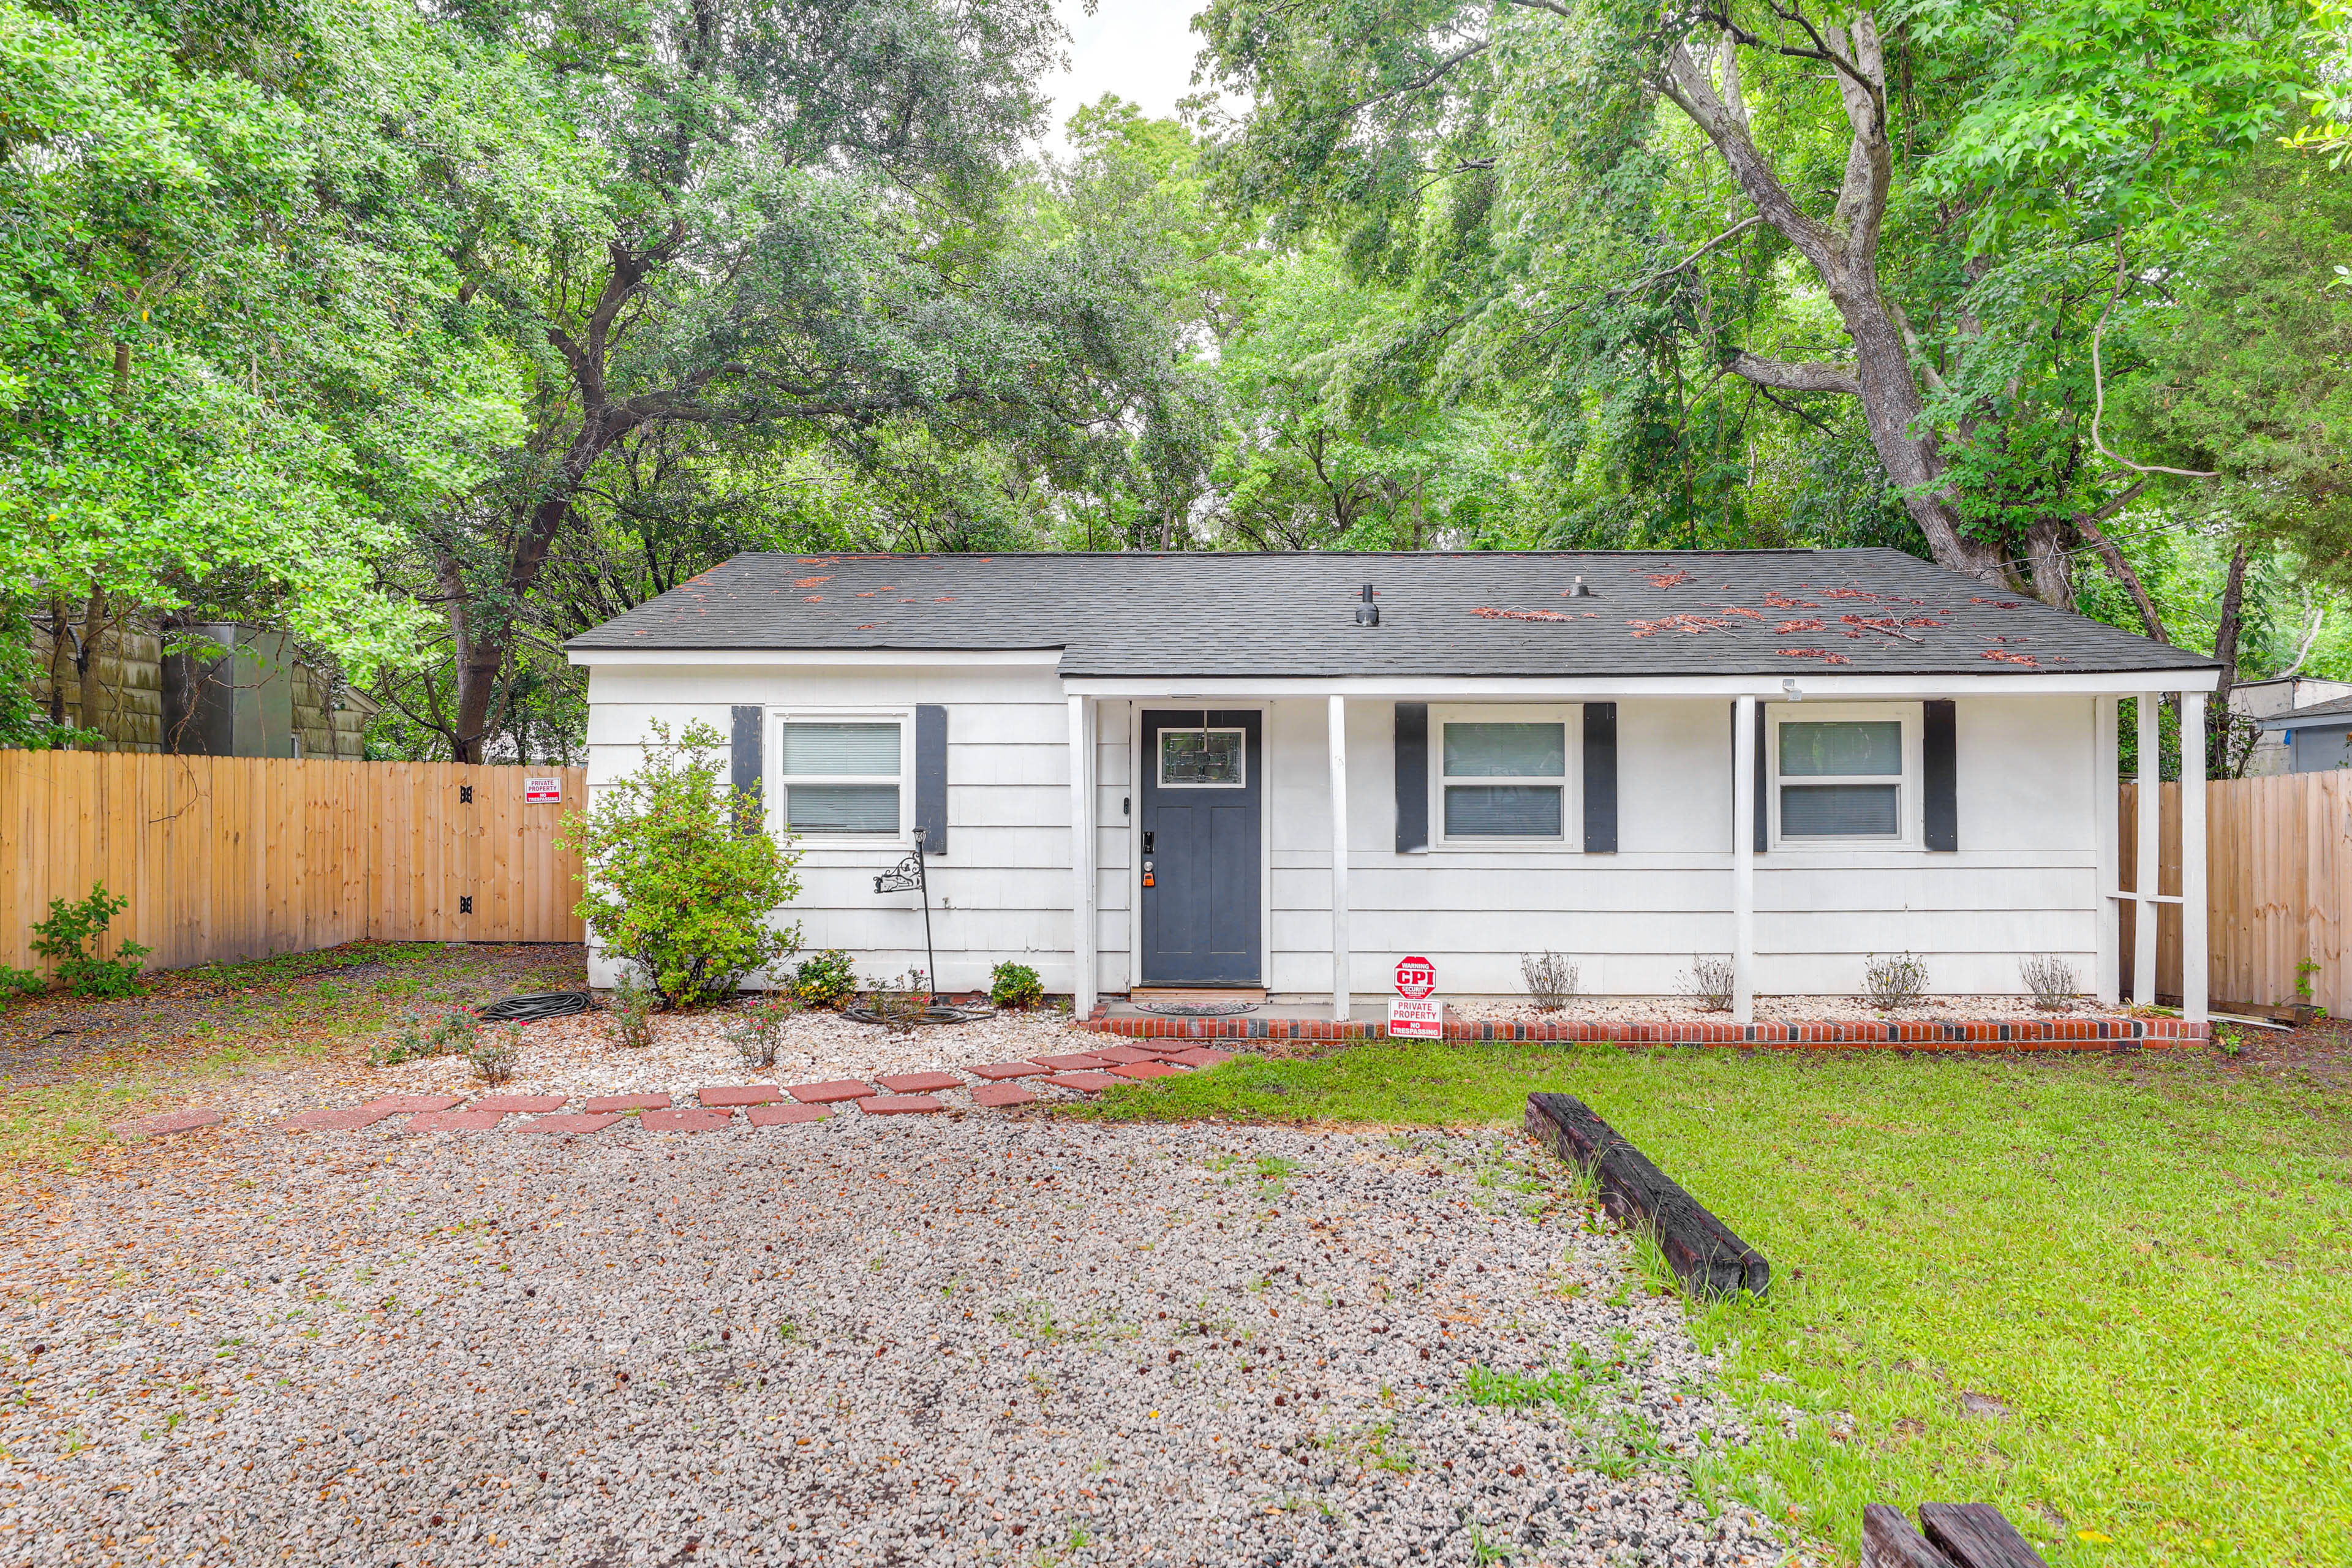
{"x": 1202, "y": 759}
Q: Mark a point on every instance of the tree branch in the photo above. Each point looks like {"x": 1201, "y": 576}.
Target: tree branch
{"x": 1435, "y": 74}
{"x": 1812, "y": 375}
{"x": 2120, "y": 568}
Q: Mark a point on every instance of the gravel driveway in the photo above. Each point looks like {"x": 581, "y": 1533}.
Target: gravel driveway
{"x": 979, "y": 1340}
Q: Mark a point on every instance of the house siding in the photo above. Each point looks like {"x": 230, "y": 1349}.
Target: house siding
{"x": 2023, "y": 880}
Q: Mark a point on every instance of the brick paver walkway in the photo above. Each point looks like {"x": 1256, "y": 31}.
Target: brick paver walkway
{"x": 762, "y": 1104}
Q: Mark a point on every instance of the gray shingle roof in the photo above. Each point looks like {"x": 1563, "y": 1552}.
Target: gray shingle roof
{"x": 1862, "y": 612}
{"x": 2311, "y": 713}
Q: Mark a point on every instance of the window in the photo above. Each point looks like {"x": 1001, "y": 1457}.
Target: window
{"x": 842, "y": 776}
{"x": 1202, "y": 759}
{"x": 1504, "y": 778}
{"x": 1842, "y": 778}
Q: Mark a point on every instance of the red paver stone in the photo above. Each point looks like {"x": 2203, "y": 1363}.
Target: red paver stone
{"x": 1092, "y": 1082}
{"x": 779, "y": 1115}
{"x": 996, "y": 1070}
{"x": 575, "y": 1123}
{"x": 999, "y": 1095}
{"x": 455, "y": 1121}
{"x": 518, "y": 1102}
{"x": 349, "y": 1121}
{"x": 402, "y": 1104}
{"x": 628, "y": 1102}
{"x": 831, "y": 1092}
{"x": 1201, "y": 1057}
{"x": 1071, "y": 1062}
{"x": 898, "y": 1105}
{"x": 1149, "y": 1070}
{"x": 918, "y": 1082}
{"x": 741, "y": 1094}
{"x": 169, "y": 1122}
{"x": 1127, "y": 1054}
{"x": 688, "y": 1121}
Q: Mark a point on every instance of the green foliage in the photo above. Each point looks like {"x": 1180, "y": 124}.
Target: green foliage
{"x": 633, "y": 1011}
{"x": 757, "y": 1029}
{"x": 16, "y": 981}
{"x": 72, "y": 937}
{"x": 825, "y": 979}
{"x": 674, "y": 883}
{"x": 453, "y": 1032}
{"x": 1011, "y": 985}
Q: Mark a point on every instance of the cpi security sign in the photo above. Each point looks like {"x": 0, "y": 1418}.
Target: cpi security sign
{"x": 1414, "y": 1012}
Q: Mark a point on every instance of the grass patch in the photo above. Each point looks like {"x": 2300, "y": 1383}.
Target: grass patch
{"x": 2106, "y": 1293}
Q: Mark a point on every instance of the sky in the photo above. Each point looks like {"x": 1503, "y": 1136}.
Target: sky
{"x": 1141, "y": 49}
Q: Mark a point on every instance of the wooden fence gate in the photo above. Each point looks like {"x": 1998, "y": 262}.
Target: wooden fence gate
{"x": 2278, "y": 865}
{"x": 236, "y": 858}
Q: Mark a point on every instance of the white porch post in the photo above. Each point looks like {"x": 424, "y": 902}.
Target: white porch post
{"x": 1082, "y": 856}
{"x": 2107, "y": 809}
{"x": 2195, "y": 963}
{"x": 2150, "y": 797}
{"x": 1743, "y": 861}
{"x": 1340, "y": 999}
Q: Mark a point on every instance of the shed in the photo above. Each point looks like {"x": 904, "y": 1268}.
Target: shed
{"x": 1285, "y": 770}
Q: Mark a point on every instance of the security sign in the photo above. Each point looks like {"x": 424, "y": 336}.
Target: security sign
{"x": 1416, "y": 977}
{"x": 536, "y": 791}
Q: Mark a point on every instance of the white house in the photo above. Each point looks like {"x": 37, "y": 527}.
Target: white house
{"x": 1286, "y": 770}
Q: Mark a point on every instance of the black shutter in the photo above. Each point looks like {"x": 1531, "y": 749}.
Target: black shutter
{"x": 1939, "y": 774}
{"x": 931, "y": 776}
{"x": 746, "y": 763}
{"x": 1763, "y": 767}
{"x": 1412, "y": 777}
{"x": 1600, "y": 778}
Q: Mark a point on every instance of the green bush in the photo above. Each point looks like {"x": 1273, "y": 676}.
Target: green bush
{"x": 675, "y": 883}
{"x": 452, "y": 1033}
{"x": 21, "y": 982}
{"x": 824, "y": 979}
{"x": 70, "y": 937}
{"x": 1015, "y": 986}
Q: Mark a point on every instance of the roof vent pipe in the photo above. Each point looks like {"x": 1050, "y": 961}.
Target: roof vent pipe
{"x": 1368, "y": 614}
{"x": 1579, "y": 591}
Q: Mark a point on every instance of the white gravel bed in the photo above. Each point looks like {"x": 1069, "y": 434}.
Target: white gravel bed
{"x": 576, "y": 1056}
{"x": 1768, "y": 1010}
{"x": 957, "y": 1340}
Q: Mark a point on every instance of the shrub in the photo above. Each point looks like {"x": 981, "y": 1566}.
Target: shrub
{"x": 494, "y": 1059}
{"x": 633, "y": 1011}
{"x": 70, "y": 937}
{"x": 1710, "y": 983}
{"x": 1893, "y": 982}
{"x": 824, "y": 979}
{"x": 758, "y": 1031}
{"x": 901, "y": 1002}
{"x": 681, "y": 879}
{"x": 1550, "y": 979}
{"x": 21, "y": 982}
{"x": 1014, "y": 985}
{"x": 2051, "y": 980}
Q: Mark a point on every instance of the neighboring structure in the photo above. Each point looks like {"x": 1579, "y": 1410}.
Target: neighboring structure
{"x": 1230, "y": 770}
{"x": 2316, "y": 739}
{"x": 2280, "y": 694}
{"x": 252, "y": 700}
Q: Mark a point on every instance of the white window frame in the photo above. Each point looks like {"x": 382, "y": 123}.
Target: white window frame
{"x": 1570, "y": 716}
{"x": 1909, "y": 815}
{"x": 779, "y": 783}
{"x": 1160, "y": 756}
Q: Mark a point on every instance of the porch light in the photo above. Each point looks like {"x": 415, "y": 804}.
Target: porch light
{"x": 1368, "y": 614}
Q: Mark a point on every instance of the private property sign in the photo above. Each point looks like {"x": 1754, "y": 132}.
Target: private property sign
{"x": 1414, "y": 1012}
{"x": 539, "y": 791}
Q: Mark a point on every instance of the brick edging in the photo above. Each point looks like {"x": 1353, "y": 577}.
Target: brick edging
{"x": 2102, "y": 1031}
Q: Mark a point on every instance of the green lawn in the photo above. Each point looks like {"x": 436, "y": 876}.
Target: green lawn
{"x": 2144, "y": 1260}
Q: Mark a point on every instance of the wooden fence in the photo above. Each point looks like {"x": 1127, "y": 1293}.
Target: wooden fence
{"x": 234, "y": 858}
{"x": 2278, "y": 859}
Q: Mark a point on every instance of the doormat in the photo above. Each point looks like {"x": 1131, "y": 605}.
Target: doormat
{"x": 1195, "y": 1009}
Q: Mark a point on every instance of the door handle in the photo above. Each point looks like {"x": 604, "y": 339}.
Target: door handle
{"x": 1147, "y": 873}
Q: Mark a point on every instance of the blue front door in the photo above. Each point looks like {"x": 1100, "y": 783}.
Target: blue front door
{"x": 1202, "y": 785}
